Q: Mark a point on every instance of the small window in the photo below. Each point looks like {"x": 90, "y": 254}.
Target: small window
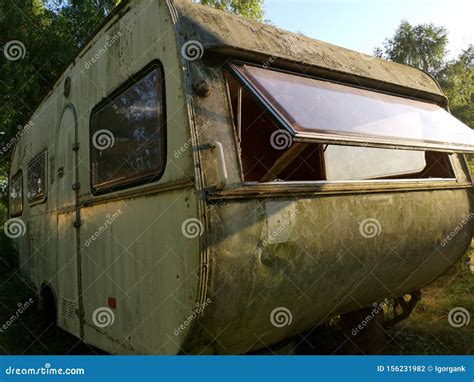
{"x": 128, "y": 135}
{"x": 36, "y": 178}
{"x": 16, "y": 194}
{"x": 270, "y": 154}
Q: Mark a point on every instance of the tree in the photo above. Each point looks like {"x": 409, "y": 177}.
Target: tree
{"x": 251, "y": 9}
{"x": 422, "y": 46}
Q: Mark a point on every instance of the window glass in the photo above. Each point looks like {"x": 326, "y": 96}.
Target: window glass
{"x": 16, "y": 194}
{"x": 36, "y": 178}
{"x": 127, "y": 134}
{"x": 325, "y": 110}
{"x": 356, "y": 163}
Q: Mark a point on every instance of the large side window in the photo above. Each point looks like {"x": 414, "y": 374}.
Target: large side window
{"x": 16, "y": 194}
{"x": 36, "y": 178}
{"x": 271, "y": 154}
{"x": 128, "y": 134}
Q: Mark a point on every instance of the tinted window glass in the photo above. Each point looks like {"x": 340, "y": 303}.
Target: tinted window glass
{"x": 128, "y": 141}
{"x": 36, "y": 178}
{"x": 329, "y": 111}
{"x": 16, "y": 194}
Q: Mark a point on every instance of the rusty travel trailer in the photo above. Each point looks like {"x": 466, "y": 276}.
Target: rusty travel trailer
{"x": 195, "y": 182}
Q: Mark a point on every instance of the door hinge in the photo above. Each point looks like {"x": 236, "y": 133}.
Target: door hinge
{"x": 80, "y": 312}
{"x": 75, "y": 146}
{"x": 76, "y": 186}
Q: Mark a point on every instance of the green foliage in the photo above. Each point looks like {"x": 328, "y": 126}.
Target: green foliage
{"x": 424, "y": 46}
{"x": 251, "y": 9}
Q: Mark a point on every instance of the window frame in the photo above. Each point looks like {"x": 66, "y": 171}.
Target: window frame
{"x": 339, "y": 186}
{"x": 42, "y": 199}
{"x": 131, "y": 182}
{"x": 18, "y": 173}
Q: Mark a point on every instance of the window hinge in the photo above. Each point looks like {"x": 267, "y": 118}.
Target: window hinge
{"x": 76, "y": 186}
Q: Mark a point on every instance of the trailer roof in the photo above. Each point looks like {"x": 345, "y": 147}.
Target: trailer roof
{"x": 220, "y": 31}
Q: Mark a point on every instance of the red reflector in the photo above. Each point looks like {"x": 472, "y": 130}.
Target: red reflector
{"x": 112, "y": 302}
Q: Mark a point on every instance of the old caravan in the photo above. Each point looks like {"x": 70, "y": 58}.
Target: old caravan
{"x": 198, "y": 183}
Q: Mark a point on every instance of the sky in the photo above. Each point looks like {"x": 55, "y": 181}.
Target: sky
{"x": 362, "y": 25}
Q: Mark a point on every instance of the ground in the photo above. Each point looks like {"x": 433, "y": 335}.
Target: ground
{"x": 426, "y": 331}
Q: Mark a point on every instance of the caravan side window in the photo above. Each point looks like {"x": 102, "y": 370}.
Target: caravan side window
{"x": 36, "y": 178}
{"x": 128, "y": 134}
{"x": 16, "y": 194}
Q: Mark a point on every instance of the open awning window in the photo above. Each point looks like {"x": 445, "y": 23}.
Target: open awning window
{"x": 315, "y": 110}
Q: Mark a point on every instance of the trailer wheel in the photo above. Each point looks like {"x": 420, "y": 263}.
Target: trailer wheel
{"x": 48, "y": 306}
{"x": 364, "y": 331}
